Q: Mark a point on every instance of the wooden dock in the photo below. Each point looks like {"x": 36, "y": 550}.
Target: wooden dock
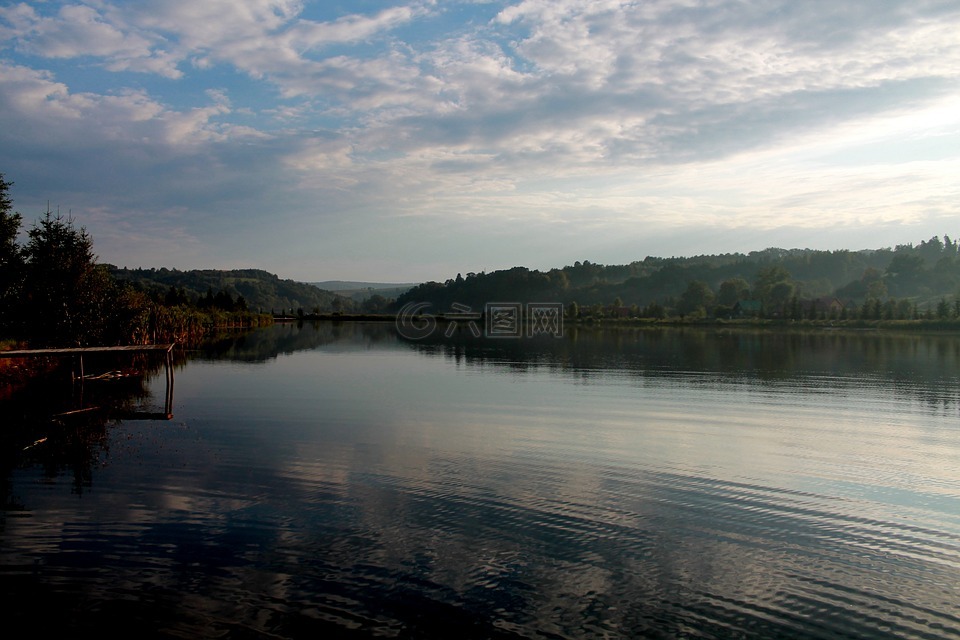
{"x": 28, "y": 353}
{"x": 81, "y": 351}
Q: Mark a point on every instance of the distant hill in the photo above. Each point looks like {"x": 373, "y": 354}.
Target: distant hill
{"x": 344, "y": 285}
{"x": 261, "y": 290}
{"x": 921, "y": 275}
{"x": 362, "y": 291}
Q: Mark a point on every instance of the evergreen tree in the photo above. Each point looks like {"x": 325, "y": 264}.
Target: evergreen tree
{"x": 943, "y": 309}
{"x": 11, "y": 258}
{"x": 66, "y": 299}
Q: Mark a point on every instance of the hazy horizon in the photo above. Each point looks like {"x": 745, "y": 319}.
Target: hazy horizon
{"x": 348, "y": 283}
{"x": 409, "y": 141}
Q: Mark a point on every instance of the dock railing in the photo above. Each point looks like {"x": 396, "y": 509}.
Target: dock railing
{"x": 81, "y": 351}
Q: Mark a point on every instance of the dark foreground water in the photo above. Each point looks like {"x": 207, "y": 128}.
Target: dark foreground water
{"x": 341, "y": 482}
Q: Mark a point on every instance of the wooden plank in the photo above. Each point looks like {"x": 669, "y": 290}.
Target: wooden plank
{"x": 168, "y": 366}
{"x": 75, "y": 412}
{"x": 27, "y": 353}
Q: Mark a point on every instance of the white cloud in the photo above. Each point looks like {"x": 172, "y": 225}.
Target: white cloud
{"x": 35, "y": 107}
{"x": 307, "y": 35}
{"x": 80, "y": 30}
{"x": 592, "y": 114}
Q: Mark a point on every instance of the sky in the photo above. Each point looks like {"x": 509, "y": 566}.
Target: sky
{"x": 411, "y": 141}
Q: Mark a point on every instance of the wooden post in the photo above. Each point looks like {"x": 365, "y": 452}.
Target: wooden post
{"x": 168, "y": 401}
{"x": 79, "y": 351}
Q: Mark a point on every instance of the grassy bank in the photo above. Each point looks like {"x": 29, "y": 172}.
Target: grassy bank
{"x": 948, "y": 325}
{"x": 15, "y": 372}
{"x": 185, "y": 326}
{"x": 925, "y": 325}
{"x": 189, "y": 325}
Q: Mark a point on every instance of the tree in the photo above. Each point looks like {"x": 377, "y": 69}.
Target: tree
{"x": 877, "y": 289}
{"x": 375, "y": 304}
{"x": 890, "y": 309}
{"x": 66, "y": 293}
{"x": 949, "y": 246}
{"x": 931, "y": 250}
{"x": 11, "y": 257}
{"x": 654, "y": 310}
{"x": 774, "y": 287}
{"x": 780, "y": 293}
{"x": 224, "y": 301}
{"x": 905, "y": 310}
{"x": 176, "y": 297}
{"x": 905, "y": 273}
{"x": 943, "y": 309}
{"x": 732, "y": 291}
{"x": 208, "y": 300}
{"x": 696, "y": 299}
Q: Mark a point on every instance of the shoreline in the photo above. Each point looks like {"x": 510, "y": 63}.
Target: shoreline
{"x": 18, "y": 372}
{"x": 922, "y": 325}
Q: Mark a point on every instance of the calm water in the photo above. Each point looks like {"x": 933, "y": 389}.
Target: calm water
{"x": 340, "y": 482}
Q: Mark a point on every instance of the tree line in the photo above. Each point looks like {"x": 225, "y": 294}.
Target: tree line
{"x": 257, "y": 289}
{"x": 906, "y": 282}
{"x": 53, "y": 292}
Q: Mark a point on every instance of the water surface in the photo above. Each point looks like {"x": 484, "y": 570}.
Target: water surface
{"x": 339, "y": 480}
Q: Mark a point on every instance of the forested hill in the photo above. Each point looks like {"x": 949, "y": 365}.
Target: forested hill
{"x": 260, "y": 290}
{"x": 922, "y": 274}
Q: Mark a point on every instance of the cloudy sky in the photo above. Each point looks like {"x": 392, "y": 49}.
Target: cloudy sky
{"x": 406, "y": 141}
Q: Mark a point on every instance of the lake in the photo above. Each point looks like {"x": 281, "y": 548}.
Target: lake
{"x": 342, "y": 481}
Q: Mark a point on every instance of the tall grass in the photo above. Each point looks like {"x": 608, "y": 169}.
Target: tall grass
{"x": 189, "y": 326}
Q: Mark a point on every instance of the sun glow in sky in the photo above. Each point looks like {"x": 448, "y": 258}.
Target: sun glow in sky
{"x": 408, "y": 141}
